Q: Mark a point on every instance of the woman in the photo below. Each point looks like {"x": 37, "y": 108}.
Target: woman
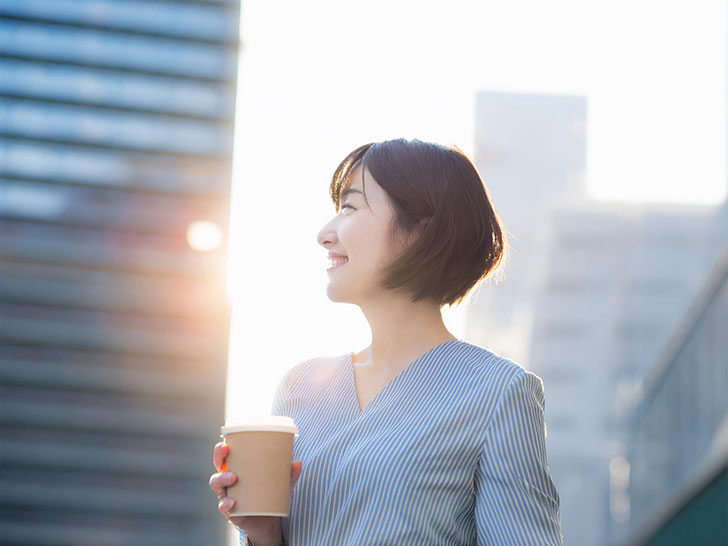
{"x": 420, "y": 438}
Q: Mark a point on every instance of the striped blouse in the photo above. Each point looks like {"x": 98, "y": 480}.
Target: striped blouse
{"x": 450, "y": 452}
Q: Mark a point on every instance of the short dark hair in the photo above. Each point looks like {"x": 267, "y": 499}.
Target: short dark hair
{"x": 437, "y": 195}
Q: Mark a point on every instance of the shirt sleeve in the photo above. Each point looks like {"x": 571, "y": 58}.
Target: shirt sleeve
{"x": 516, "y": 503}
{"x": 280, "y": 396}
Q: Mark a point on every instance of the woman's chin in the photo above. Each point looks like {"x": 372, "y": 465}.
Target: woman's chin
{"x": 336, "y": 295}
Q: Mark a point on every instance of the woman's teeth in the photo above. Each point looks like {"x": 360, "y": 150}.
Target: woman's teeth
{"x": 336, "y": 261}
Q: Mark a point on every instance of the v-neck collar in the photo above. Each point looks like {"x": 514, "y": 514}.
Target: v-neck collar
{"x": 409, "y": 369}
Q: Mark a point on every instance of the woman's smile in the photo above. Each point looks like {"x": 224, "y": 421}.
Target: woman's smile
{"x": 336, "y": 262}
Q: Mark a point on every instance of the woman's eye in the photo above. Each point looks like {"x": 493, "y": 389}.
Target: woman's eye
{"x": 347, "y": 207}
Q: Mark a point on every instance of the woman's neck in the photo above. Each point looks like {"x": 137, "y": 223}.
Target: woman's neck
{"x": 401, "y": 331}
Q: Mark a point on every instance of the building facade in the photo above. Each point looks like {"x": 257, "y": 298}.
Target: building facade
{"x": 618, "y": 280}
{"x": 678, "y": 442}
{"x": 116, "y": 132}
{"x": 531, "y": 152}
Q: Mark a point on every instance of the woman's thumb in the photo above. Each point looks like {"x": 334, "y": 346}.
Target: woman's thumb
{"x": 295, "y": 472}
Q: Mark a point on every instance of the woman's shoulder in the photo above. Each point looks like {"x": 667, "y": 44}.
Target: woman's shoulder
{"x": 489, "y": 368}
{"x": 318, "y": 369}
{"x": 480, "y": 358}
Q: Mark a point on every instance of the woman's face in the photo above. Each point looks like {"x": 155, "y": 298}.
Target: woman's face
{"x": 360, "y": 233}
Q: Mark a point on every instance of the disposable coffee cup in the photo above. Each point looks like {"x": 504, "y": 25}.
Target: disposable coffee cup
{"x": 260, "y": 452}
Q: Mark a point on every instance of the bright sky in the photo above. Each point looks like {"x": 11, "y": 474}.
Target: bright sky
{"x": 318, "y": 78}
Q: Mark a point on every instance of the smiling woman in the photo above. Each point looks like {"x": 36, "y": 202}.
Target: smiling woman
{"x": 419, "y": 438}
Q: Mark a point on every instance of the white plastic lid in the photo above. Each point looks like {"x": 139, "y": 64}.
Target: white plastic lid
{"x": 274, "y": 423}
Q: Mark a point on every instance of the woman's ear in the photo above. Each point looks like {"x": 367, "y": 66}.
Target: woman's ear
{"x": 422, "y": 224}
{"x": 418, "y": 229}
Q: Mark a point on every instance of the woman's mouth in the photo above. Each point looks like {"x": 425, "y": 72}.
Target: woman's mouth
{"x": 336, "y": 262}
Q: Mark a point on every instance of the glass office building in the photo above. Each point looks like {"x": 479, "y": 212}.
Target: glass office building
{"x": 116, "y": 131}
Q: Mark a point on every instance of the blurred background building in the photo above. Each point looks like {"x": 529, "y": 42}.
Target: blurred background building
{"x": 592, "y": 292}
{"x": 116, "y": 130}
{"x": 531, "y": 151}
{"x": 677, "y": 468}
{"x": 619, "y": 278}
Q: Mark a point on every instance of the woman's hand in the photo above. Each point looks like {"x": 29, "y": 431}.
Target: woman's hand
{"x": 261, "y": 529}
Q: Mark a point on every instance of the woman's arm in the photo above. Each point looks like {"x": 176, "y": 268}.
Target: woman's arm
{"x": 515, "y": 500}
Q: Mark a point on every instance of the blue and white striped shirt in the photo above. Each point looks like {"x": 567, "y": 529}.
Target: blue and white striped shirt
{"x": 450, "y": 452}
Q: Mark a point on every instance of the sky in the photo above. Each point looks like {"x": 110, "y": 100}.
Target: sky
{"x": 319, "y": 78}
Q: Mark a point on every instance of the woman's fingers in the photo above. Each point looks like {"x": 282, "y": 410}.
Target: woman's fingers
{"x": 225, "y": 505}
{"x": 218, "y": 456}
{"x": 220, "y": 480}
{"x": 218, "y": 483}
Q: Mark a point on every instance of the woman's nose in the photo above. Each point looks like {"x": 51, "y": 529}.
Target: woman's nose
{"x": 327, "y": 235}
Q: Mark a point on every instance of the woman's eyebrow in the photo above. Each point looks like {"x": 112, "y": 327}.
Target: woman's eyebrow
{"x": 348, "y": 191}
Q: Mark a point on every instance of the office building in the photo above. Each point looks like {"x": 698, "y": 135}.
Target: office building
{"x": 530, "y": 150}
{"x": 618, "y": 279}
{"x": 678, "y": 435}
{"x": 116, "y": 131}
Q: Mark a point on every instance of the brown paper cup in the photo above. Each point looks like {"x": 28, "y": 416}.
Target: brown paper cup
{"x": 260, "y": 455}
